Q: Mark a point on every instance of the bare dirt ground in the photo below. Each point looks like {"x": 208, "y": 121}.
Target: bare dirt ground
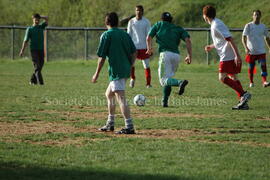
{"x": 11, "y": 132}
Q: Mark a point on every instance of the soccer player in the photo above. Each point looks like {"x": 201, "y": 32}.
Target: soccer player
{"x": 138, "y": 28}
{"x": 230, "y": 60}
{"x": 168, "y": 37}
{"x": 35, "y": 34}
{"x": 253, "y": 40}
{"x": 117, "y": 45}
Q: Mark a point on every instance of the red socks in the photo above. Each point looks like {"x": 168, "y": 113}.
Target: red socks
{"x": 148, "y": 76}
{"x": 235, "y": 85}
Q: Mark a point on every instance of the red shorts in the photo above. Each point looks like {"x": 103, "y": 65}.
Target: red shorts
{"x": 252, "y": 58}
{"x": 141, "y": 54}
{"x": 229, "y": 67}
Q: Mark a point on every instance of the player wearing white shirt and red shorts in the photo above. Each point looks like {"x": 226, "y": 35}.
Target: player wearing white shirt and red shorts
{"x": 138, "y": 28}
{"x": 253, "y": 41}
{"x": 230, "y": 60}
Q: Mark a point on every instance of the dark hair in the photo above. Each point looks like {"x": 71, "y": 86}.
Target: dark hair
{"x": 166, "y": 16}
{"x": 209, "y": 11}
{"x": 36, "y": 15}
{"x": 140, "y": 7}
{"x": 257, "y": 11}
{"x": 111, "y": 19}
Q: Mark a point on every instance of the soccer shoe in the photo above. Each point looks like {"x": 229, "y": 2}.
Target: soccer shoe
{"x": 126, "y": 131}
{"x": 32, "y": 83}
{"x": 165, "y": 105}
{"x": 132, "y": 83}
{"x": 266, "y": 84}
{"x": 243, "y": 107}
{"x": 148, "y": 86}
{"x": 106, "y": 128}
{"x": 182, "y": 87}
{"x": 251, "y": 85}
{"x": 244, "y": 98}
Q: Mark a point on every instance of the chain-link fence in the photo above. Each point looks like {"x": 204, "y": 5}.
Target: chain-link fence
{"x": 81, "y": 43}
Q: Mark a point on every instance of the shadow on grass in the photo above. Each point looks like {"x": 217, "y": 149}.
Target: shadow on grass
{"x": 13, "y": 171}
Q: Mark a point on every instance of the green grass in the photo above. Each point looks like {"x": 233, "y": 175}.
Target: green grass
{"x": 49, "y": 132}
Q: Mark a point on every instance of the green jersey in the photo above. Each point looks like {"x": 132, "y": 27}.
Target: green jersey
{"x": 118, "y": 46}
{"x": 36, "y": 36}
{"x": 168, "y": 36}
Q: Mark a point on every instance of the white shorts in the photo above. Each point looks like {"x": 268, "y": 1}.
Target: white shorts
{"x": 168, "y": 64}
{"x": 118, "y": 85}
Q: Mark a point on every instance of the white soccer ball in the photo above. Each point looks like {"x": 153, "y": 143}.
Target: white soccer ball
{"x": 139, "y": 100}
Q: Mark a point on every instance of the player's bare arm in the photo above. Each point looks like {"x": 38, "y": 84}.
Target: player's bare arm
{"x": 188, "y": 59}
{"x": 238, "y": 59}
{"x": 149, "y": 45}
{"x": 45, "y": 18}
{"x": 208, "y": 48}
{"x": 133, "y": 58}
{"x": 244, "y": 42}
{"x": 24, "y": 45}
{"x": 99, "y": 67}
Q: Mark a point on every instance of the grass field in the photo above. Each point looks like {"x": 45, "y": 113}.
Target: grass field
{"x": 49, "y": 132}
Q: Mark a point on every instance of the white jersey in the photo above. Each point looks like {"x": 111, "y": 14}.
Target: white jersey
{"x": 219, "y": 33}
{"x": 138, "y": 30}
{"x": 255, "y": 37}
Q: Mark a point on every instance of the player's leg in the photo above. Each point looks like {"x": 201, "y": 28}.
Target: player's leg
{"x": 40, "y": 66}
{"x": 251, "y": 67}
{"x": 264, "y": 72}
{"x": 111, "y": 110}
{"x": 132, "y": 77}
{"x": 147, "y": 71}
{"x": 250, "y": 59}
{"x": 129, "y": 127}
{"x": 172, "y": 63}
{"x": 33, "y": 79}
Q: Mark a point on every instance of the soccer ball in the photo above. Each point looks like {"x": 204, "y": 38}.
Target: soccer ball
{"x": 139, "y": 100}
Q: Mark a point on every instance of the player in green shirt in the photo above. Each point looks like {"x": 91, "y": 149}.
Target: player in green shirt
{"x": 35, "y": 34}
{"x": 168, "y": 37}
{"x": 118, "y": 47}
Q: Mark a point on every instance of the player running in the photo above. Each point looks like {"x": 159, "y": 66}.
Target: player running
{"x": 117, "y": 45}
{"x": 230, "y": 60}
{"x": 253, "y": 40}
{"x": 168, "y": 38}
{"x": 138, "y": 28}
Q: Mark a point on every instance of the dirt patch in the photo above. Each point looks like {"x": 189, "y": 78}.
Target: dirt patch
{"x": 263, "y": 118}
{"x": 7, "y": 130}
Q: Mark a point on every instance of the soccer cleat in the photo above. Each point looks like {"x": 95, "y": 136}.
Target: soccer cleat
{"x": 132, "y": 83}
{"x": 148, "y": 86}
{"x": 182, "y": 87}
{"x": 126, "y": 131}
{"x": 32, "y": 83}
{"x": 266, "y": 84}
{"x": 243, "y": 107}
{"x": 251, "y": 85}
{"x": 244, "y": 98}
{"x": 106, "y": 128}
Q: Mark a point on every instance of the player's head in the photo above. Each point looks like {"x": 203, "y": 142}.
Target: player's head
{"x": 166, "y": 16}
{"x": 111, "y": 19}
{"x": 36, "y": 18}
{"x": 209, "y": 13}
{"x": 139, "y": 11}
{"x": 257, "y": 15}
